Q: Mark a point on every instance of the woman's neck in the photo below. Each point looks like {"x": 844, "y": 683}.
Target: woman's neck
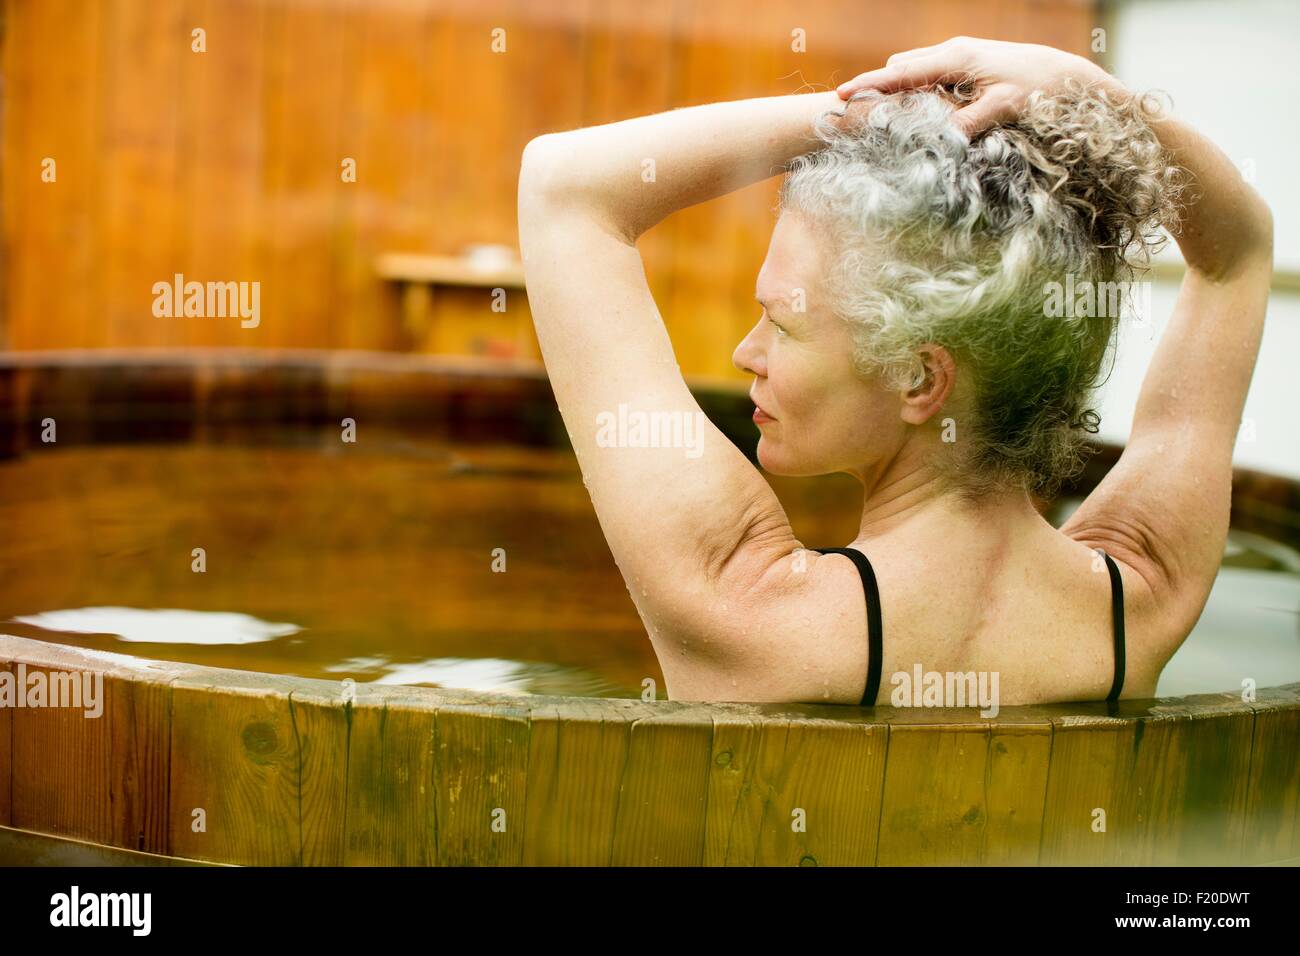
{"x": 920, "y": 501}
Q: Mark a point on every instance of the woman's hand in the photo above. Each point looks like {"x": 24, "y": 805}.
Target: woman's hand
{"x": 1004, "y": 74}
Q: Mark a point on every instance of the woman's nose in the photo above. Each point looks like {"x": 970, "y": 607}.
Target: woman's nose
{"x": 749, "y": 357}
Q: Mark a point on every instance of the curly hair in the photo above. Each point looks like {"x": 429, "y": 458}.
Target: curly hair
{"x": 936, "y": 237}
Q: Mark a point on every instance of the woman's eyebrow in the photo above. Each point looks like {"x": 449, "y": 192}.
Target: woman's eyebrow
{"x": 767, "y": 304}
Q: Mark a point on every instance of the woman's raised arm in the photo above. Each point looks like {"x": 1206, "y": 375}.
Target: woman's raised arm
{"x": 1167, "y": 501}
{"x": 634, "y": 173}
{"x": 1163, "y": 509}
{"x": 693, "y": 526}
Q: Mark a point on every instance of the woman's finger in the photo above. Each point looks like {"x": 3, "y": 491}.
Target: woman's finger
{"x": 904, "y": 75}
{"x": 916, "y": 51}
{"x": 997, "y": 104}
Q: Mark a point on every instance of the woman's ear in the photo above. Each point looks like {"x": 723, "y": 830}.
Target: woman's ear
{"x": 935, "y": 382}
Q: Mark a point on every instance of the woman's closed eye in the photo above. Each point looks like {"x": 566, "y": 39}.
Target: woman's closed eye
{"x": 779, "y": 328}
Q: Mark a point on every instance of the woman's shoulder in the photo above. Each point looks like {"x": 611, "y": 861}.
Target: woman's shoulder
{"x": 1040, "y": 615}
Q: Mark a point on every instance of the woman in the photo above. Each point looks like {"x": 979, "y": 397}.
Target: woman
{"x": 912, "y": 335}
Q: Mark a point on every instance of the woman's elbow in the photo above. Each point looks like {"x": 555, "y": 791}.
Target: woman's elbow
{"x": 1263, "y": 231}
{"x": 538, "y": 166}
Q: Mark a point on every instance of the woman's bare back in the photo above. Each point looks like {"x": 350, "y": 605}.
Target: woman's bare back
{"x": 1035, "y": 623}
{"x": 991, "y": 595}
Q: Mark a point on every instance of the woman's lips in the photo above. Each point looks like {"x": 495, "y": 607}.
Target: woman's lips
{"x": 761, "y": 417}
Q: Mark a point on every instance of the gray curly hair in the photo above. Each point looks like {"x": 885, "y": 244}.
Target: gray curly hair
{"x": 937, "y": 238}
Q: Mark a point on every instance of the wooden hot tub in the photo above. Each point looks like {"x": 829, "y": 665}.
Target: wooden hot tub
{"x": 211, "y": 763}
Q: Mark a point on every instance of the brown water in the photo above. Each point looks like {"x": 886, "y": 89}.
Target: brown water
{"x": 374, "y": 561}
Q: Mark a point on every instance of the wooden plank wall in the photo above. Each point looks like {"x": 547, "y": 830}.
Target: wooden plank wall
{"x": 286, "y": 771}
{"x": 225, "y": 165}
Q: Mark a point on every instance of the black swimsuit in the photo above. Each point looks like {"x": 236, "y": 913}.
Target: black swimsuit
{"x": 875, "y": 634}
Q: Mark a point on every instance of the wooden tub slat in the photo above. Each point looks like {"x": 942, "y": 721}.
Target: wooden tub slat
{"x": 1199, "y": 776}
{"x": 964, "y": 794}
{"x": 391, "y": 783}
{"x": 663, "y": 789}
{"x": 480, "y": 783}
{"x": 140, "y": 763}
{"x": 1272, "y": 824}
{"x": 577, "y": 752}
{"x": 235, "y": 757}
{"x": 766, "y": 769}
{"x": 321, "y": 729}
{"x": 102, "y": 779}
{"x": 1170, "y": 775}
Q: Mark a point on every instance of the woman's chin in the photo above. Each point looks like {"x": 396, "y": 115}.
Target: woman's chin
{"x": 775, "y": 460}
{"x": 770, "y": 457}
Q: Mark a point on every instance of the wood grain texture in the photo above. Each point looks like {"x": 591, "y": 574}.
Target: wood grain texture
{"x": 221, "y": 149}
{"x": 321, "y": 728}
{"x": 794, "y": 790}
{"x": 1272, "y": 819}
{"x": 139, "y": 766}
{"x": 53, "y": 50}
{"x": 1195, "y": 781}
{"x": 142, "y": 48}
{"x": 575, "y": 772}
{"x": 391, "y": 783}
{"x": 101, "y": 778}
{"x": 481, "y": 783}
{"x": 1171, "y": 779}
{"x": 296, "y": 772}
{"x": 224, "y": 165}
{"x": 235, "y": 758}
{"x": 660, "y": 814}
{"x": 989, "y": 813}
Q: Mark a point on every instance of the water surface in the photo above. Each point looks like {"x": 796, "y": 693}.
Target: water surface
{"x": 376, "y": 562}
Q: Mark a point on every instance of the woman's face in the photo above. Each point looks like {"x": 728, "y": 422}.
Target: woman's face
{"x": 824, "y": 417}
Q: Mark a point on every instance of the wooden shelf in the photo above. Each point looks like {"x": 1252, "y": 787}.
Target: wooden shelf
{"x": 448, "y": 304}
{"x": 447, "y": 270}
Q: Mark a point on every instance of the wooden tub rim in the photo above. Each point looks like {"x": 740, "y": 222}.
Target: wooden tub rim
{"x": 45, "y": 655}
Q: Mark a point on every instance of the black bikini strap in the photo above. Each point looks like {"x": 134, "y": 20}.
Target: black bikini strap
{"x": 1117, "y": 619}
{"x": 874, "y": 625}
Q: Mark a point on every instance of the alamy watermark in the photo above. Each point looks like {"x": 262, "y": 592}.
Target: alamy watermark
{"x": 74, "y": 689}
{"x": 922, "y": 688}
{"x": 74, "y": 908}
{"x": 638, "y": 429}
{"x": 1085, "y": 299}
{"x": 179, "y": 298}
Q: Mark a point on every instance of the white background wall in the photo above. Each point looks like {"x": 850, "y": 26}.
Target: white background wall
{"x": 1232, "y": 69}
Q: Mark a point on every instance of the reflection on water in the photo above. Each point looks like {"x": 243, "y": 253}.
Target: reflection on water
{"x": 490, "y": 674}
{"x": 383, "y": 559}
{"x": 161, "y": 625}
